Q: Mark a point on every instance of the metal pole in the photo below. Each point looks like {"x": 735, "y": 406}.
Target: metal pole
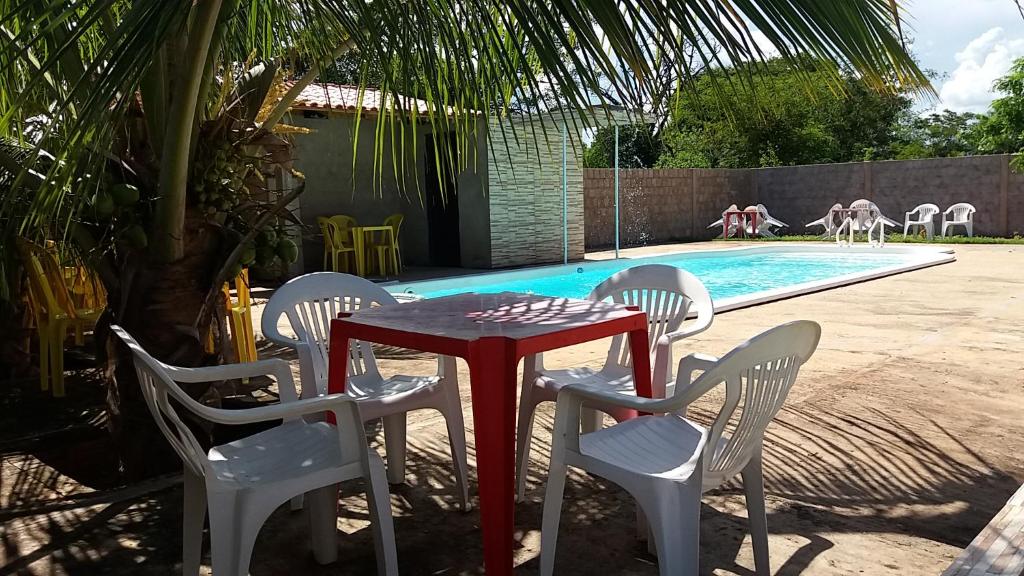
{"x": 565, "y": 200}
{"x": 616, "y": 191}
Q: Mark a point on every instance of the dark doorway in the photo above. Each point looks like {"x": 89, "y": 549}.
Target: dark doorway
{"x": 442, "y": 202}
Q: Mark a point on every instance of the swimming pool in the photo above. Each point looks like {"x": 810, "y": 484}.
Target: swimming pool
{"x": 735, "y": 277}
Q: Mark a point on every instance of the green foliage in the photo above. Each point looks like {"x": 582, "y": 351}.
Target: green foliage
{"x": 937, "y": 135}
{"x": 1002, "y": 131}
{"x": 639, "y": 147}
{"x": 784, "y": 117}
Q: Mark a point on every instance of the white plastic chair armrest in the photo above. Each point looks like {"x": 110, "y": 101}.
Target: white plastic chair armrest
{"x": 276, "y": 367}
{"x": 570, "y": 401}
{"x": 684, "y": 374}
{"x": 340, "y": 404}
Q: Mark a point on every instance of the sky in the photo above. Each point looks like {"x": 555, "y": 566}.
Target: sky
{"x": 970, "y": 43}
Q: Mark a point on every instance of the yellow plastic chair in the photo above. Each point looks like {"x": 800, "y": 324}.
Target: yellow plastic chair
{"x": 386, "y": 245}
{"x": 337, "y": 241}
{"x": 240, "y": 315}
{"x": 53, "y": 311}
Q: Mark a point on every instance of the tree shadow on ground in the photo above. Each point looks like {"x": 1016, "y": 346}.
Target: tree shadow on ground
{"x": 829, "y": 470}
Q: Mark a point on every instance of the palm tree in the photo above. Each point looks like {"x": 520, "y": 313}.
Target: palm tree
{"x": 147, "y": 134}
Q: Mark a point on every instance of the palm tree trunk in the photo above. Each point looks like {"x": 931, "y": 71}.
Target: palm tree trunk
{"x": 159, "y": 308}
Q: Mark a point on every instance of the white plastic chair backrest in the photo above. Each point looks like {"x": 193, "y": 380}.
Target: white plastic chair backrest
{"x": 926, "y": 211}
{"x": 961, "y": 211}
{"x": 830, "y": 217}
{"x": 665, "y": 293}
{"x": 758, "y": 375}
{"x": 310, "y": 302}
{"x": 157, "y": 387}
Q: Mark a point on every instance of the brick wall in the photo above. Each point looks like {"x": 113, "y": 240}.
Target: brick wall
{"x": 525, "y": 194}
{"x": 667, "y": 205}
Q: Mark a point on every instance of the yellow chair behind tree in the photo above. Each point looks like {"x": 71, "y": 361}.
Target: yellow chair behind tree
{"x": 239, "y": 312}
{"x": 53, "y": 311}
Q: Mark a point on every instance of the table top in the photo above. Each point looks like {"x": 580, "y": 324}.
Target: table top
{"x": 372, "y": 228}
{"x": 472, "y": 316}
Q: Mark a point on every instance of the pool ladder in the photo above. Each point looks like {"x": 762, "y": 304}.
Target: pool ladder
{"x": 847, "y": 225}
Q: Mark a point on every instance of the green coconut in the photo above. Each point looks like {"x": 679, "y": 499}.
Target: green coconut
{"x": 135, "y": 237}
{"x": 248, "y": 255}
{"x": 265, "y": 256}
{"x": 125, "y": 194}
{"x": 103, "y": 204}
{"x": 234, "y": 271}
{"x": 287, "y": 251}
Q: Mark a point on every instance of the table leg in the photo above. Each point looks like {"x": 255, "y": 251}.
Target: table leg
{"x": 640, "y": 353}
{"x": 337, "y": 368}
{"x": 358, "y": 244}
{"x": 492, "y": 370}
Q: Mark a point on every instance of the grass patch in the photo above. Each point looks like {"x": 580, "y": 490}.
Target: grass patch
{"x": 895, "y": 238}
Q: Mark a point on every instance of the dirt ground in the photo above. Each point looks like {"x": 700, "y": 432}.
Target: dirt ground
{"x": 903, "y": 436}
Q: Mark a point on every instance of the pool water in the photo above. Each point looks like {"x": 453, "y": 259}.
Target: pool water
{"x": 728, "y": 274}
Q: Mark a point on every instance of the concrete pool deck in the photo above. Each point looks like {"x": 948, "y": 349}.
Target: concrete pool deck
{"x": 903, "y": 436}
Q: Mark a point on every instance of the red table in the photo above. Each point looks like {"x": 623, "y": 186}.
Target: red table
{"x": 492, "y": 332}
{"x": 741, "y": 221}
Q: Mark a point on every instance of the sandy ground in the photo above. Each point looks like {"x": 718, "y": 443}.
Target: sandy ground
{"x": 901, "y": 439}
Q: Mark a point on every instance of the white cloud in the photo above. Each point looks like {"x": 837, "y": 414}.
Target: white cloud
{"x": 979, "y": 64}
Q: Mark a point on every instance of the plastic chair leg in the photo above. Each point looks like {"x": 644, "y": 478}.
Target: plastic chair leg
{"x": 552, "y": 516}
{"x": 753, "y": 488}
{"x": 224, "y": 528}
{"x": 457, "y": 440}
{"x": 323, "y": 523}
{"x": 524, "y": 437}
{"x": 192, "y": 523}
{"x": 378, "y": 502}
{"x": 44, "y": 359}
{"x": 57, "y": 359}
{"x": 591, "y": 420}
{"x": 673, "y": 511}
{"x": 394, "y": 446}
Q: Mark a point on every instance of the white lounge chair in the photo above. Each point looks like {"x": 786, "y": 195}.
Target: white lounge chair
{"x": 310, "y": 302}
{"x": 961, "y": 214}
{"x": 668, "y": 295}
{"x": 242, "y": 482}
{"x": 734, "y": 222}
{"x": 925, "y": 219}
{"x": 828, "y": 221}
{"x": 666, "y": 462}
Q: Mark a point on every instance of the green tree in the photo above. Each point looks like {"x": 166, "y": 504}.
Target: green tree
{"x": 937, "y": 135}
{"x": 1002, "y": 130}
{"x": 639, "y": 147}
{"x": 785, "y": 116}
{"x": 180, "y": 101}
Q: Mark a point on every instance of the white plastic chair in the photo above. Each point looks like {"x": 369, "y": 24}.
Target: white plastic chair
{"x": 242, "y": 482}
{"x": 925, "y": 219}
{"x": 734, "y": 222}
{"x": 765, "y": 222}
{"x": 665, "y": 462}
{"x": 863, "y": 223}
{"x": 827, "y": 221}
{"x": 310, "y": 302}
{"x": 668, "y": 295}
{"x": 962, "y": 215}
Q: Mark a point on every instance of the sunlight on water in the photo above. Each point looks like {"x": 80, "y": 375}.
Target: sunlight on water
{"x": 725, "y": 276}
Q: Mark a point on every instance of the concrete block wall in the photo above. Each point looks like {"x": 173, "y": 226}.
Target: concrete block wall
{"x": 659, "y": 205}
{"x": 524, "y": 187}
{"x": 667, "y": 208}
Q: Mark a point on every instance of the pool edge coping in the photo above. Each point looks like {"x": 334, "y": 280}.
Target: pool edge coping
{"x": 938, "y": 255}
